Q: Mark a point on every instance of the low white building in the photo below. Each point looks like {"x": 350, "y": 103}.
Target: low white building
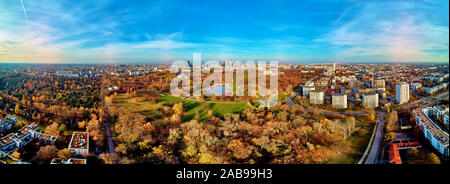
{"x": 79, "y": 144}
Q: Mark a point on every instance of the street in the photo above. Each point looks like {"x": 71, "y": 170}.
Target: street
{"x": 375, "y": 151}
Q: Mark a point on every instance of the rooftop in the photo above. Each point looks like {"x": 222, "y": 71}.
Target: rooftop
{"x": 80, "y": 140}
{"x": 437, "y": 132}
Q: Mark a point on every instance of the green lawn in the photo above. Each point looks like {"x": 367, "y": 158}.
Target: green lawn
{"x": 149, "y": 109}
{"x": 219, "y": 109}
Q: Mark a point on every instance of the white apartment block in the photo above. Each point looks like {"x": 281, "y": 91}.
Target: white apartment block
{"x": 339, "y": 101}
{"x": 402, "y": 92}
{"x": 316, "y": 97}
{"x": 370, "y": 100}
{"x": 432, "y": 132}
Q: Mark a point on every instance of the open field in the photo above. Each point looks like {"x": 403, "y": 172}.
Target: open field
{"x": 219, "y": 109}
{"x": 358, "y": 144}
{"x": 149, "y": 109}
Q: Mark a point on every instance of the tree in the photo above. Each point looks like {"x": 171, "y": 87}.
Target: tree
{"x": 17, "y": 109}
{"x": 371, "y": 114}
{"x": 239, "y": 149}
{"x": 47, "y": 152}
{"x": 178, "y": 108}
{"x": 413, "y": 152}
{"x": 64, "y": 154}
{"x": 62, "y": 128}
{"x": 392, "y": 121}
{"x": 82, "y": 124}
{"x": 95, "y": 130}
{"x": 109, "y": 158}
{"x": 53, "y": 129}
{"x": 433, "y": 159}
{"x": 15, "y": 154}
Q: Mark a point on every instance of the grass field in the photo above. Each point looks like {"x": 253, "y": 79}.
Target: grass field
{"x": 149, "y": 109}
{"x": 358, "y": 145}
{"x": 219, "y": 109}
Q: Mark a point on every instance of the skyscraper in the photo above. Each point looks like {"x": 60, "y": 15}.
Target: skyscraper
{"x": 402, "y": 92}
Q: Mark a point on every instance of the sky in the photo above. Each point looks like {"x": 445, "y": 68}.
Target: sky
{"x": 306, "y": 31}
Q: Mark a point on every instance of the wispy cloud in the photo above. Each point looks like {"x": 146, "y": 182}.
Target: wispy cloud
{"x": 120, "y": 31}
{"x": 384, "y": 34}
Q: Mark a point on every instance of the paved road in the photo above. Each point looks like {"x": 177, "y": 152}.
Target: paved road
{"x": 375, "y": 151}
{"x": 109, "y": 140}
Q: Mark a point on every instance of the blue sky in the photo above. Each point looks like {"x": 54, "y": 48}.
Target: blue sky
{"x": 306, "y": 31}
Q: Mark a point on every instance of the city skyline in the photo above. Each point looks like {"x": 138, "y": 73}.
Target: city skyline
{"x": 97, "y": 32}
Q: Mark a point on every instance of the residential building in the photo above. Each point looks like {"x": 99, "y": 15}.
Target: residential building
{"x": 415, "y": 86}
{"x": 79, "y": 144}
{"x": 68, "y": 161}
{"x": 339, "y": 101}
{"x": 432, "y": 132}
{"x": 19, "y": 139}
{"x": 378, "y": 83}
{"x": 370, "y": 100}
{"x": 7, "y": 123}
{"x": 446, "y": 120}
{"x": 316, "y": 97}
{"x": 307, "y": 89}
{"x": 402, "y": 92}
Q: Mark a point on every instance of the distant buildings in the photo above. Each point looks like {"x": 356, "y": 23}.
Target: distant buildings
{"x": 339, "y": 101}
{"x": 415, "y": 86}
{"x": 79, "y": 144}
{"x": 353, "y": 83}
{"x": 379, "y": 83}
{"x": 316, "y": 97}
{"x": 435, "y": 89}
{"x": 402, "y": 92}
{"x": 432, "y": 132}
{"x": 67, "y": 73}
{"x": 370, "y": 100}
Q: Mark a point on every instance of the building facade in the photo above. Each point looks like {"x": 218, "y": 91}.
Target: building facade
{"x": 370, "y": 100}
{"x": 432, "y": 132}
{"x": 7, "y": 123}
{"x": 316, "y": 97}
{"x": 339, "y": 101}
{"x": 402, "y": 92}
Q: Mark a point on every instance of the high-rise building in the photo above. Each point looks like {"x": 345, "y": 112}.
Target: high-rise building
{"x": 339, "y": 101}
{"x": 402, "y": 92}
{"x": 370, "y": 100}
{"x": 316, "y": 97}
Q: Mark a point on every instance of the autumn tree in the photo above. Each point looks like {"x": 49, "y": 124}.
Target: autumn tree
{"x": 392, "y": 121}
{"x": 52, "y": 129}
{"x": 47, "y": 152}
{"x": 109, "y": 158}
{"x": 433, "y": 159}
{"x": 64, "y": 153}
{"x": 239, "y": 149}
{"x": 17, "y": 109}
{"x": 15, "y": 154}
{"x": 94, "y": 128}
